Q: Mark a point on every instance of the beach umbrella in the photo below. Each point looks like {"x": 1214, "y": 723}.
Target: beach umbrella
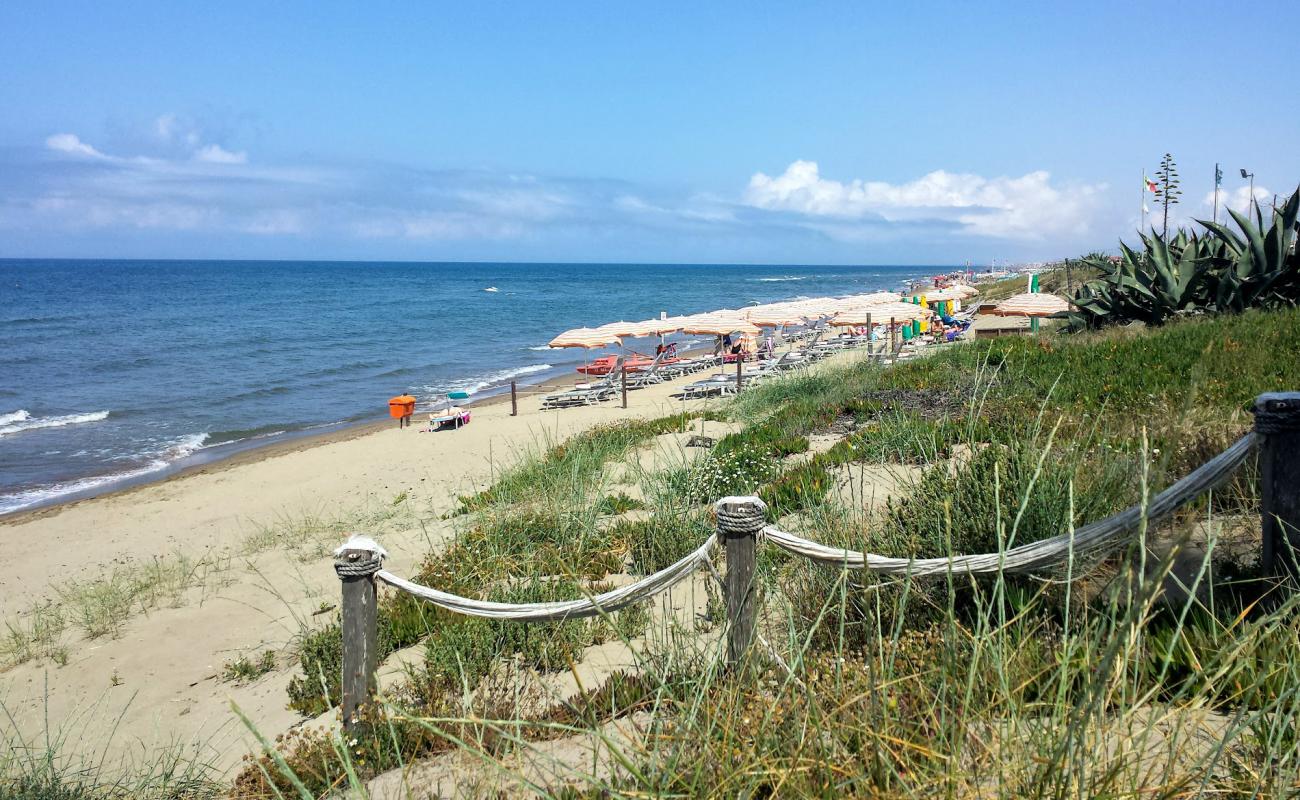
{"x": 882, "y": 312}
{"x": 658, "y": 327}
{"x": 587, "y": 338}
{"x": 776, "y": 317}
{"x": 719, "y": 324}
{"x": 940, "y": 295}
{"x": 876, "y": 297}
{"x": 966, "y": 290}
{"x": 1031, "y": 304}
{"x": 623, "y": 329}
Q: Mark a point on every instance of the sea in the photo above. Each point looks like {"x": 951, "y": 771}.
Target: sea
{"x": 119, "y": 372}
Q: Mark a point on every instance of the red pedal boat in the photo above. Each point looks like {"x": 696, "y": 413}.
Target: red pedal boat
{"x": 635, "y": 363}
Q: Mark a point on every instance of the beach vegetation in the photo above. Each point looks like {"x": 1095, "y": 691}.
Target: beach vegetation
{"x": 663, "y": 538}
{"x": 619, "y": 503}
{"x": 100, "y": 606}
{"x": 39, "y": 633}
{"x": 1163, "y": 666}
{"x": 722, "y": 473}
{"x": 1166, "y": 189}
{"x": 246, "y": 668}
{"x": 561, "y": 468}
{"x": 1214, "y": 270}
{"x": 312, "y": 533}
{"x": 61, "y": 765}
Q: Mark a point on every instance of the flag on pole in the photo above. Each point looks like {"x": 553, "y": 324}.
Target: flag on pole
{"x": 1151, "y": 185}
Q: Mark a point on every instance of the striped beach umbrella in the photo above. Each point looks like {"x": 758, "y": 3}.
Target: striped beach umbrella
{"x": 875, "y": 298}
{"x": 587, "y": 338}
{"x": 719, "y": 324}
{"x": 774, "y": 316}
{"x": 941, "y": 295}
{"x": 882, "y": 312}
{"x": 1031, "y": 304}
{"x": 658, "y": 327}
{"x": 624, "y": 329}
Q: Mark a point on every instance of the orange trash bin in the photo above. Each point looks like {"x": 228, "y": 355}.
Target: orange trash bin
{"x": 401, "y": 406}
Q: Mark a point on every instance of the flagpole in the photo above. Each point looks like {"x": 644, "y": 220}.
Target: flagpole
{"x": 1143, "y": 204}
{"x": 1216, "y": 192}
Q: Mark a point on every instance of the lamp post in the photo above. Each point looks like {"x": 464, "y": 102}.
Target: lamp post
{"x": 1251, "y": 176}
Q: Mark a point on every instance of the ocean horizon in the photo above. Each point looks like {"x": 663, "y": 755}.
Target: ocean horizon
{"x": 114, "y": 372}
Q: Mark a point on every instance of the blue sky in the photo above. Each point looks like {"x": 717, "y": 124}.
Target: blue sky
{"x": 608, "y": 131}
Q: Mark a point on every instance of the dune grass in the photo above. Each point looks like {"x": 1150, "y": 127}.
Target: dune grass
{"x": 58, "y": 765}
{"x": 100, "y": 607}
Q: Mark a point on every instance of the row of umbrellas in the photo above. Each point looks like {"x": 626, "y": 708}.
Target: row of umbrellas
{"x": 853, "y": 311}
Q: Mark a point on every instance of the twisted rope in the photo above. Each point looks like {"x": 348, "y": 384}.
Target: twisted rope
{"x": 605, "y": 603}
{"x": 348, "y": 561}
{"x": 1035, "y": 554}
{"x": 1277, "y": 413}
{"x": 358, "y": 569}
{"x": 745, "y": 520}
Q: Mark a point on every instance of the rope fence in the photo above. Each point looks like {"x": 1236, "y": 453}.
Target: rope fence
{"x": 741, "y": 527}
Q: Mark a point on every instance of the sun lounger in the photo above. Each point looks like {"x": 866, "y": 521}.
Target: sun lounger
{"x": 724, "y": 383}
{"x": 651, "y": 375}
{"x": 586, "y": 394}
{"x": 450, "y": 414}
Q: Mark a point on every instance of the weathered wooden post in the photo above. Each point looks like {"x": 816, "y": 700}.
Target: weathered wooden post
{"x": 514, "y": 399}
{"x": 356, "y": 562}
{"x": 1277, "y": 421}
{"x": 740, "y": 519}
{"x": 623, "y": 379}
{"x": 893, "y": 352}
{"x": 739, "y": 371}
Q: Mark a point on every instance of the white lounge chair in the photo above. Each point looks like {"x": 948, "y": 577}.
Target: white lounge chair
{"x": 587, "y": 394}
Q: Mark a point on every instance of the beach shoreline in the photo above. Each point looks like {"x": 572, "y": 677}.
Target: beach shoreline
{"x": 290, "y": 443}
{"x": 274, "y": 448}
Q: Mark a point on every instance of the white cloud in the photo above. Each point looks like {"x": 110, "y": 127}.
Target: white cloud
{"x": 70, "y": 143}
{"x": 164, "y": 126}
{"x": 1027, "y": 207}
{"x": 180, "y": 182}
{"x": 174, "y": 129}
{"x": 1239, "y": 199}
{"x": 215, "y": 154}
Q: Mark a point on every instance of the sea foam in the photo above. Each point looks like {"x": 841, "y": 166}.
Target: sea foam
{"x": 20, "y": 420}
{"x": 162, "y": 458}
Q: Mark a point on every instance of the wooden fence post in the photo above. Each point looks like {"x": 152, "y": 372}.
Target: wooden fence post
{"x": 514, "y": 399}
{"x": 623, "y": 378}
{"x": 1277, "y": 421}
{"x": 739, "y": 368}
{"x": 739, "y": 521}
{"x": 356, "y": 563}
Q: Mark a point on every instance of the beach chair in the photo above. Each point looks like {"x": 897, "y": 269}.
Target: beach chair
{"x": 687, "y": 366}
{"x": 717, "y": 385}
{"x": 651, "y": 375}
{"x": 451, "y": 414}
{"x": 587, "y": 394}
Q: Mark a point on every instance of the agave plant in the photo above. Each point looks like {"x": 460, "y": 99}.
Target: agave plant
{"x": 1218, "y": 270}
